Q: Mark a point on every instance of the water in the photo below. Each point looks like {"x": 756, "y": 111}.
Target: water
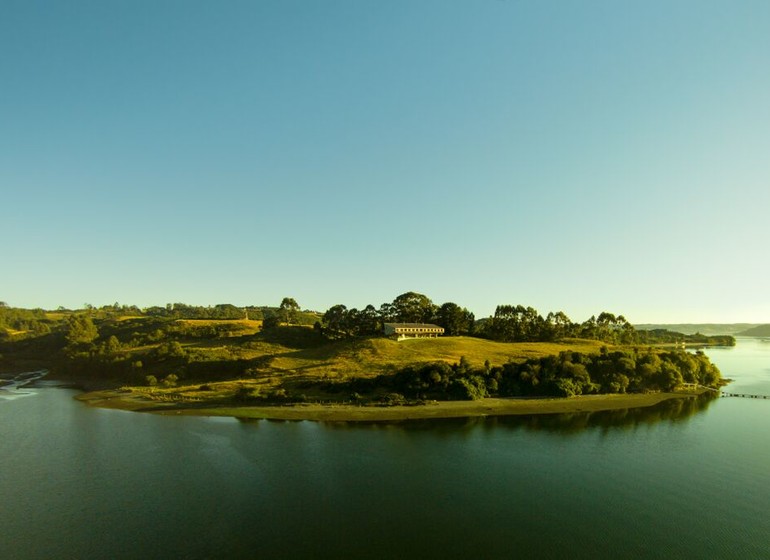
{"x": 685, "y": 479}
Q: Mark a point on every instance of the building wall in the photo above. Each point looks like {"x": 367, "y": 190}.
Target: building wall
{"x": 394, "y": 330}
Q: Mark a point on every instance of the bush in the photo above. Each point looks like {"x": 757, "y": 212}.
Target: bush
{"x": 170, "y": 350}
{"x": 170, "y": 380}
{"x": 243, "y": 394}
{"x": 393, "y": 399}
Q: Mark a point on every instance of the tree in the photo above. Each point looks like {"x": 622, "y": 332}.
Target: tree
{"x": 456, "y": 320}
{"x": 170, "y": 380}
{"x": 170, "y": 350}
{"x": 614, "y": 329}
{"x": 368, "y": 321}
{"x": 288, "y": 311}
{"x": 412, "y": 307}
{"x": 80, "y": 330}
{"x": 341, "y": 321}
{"x": 589, "y": 328}
{"x": 335, "y": 319}
{"x": 557, "y": 326}
{"x": 387, "y": 313}
{"x": 515, "y": 324}
{"x": 111, "y": 347}
{"x": 271, "y": 322}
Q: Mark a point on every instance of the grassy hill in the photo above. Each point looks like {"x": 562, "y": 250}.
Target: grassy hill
{"x": 373, "y": 356}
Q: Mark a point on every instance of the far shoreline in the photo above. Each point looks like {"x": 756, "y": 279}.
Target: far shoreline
{"x": 119, "y": 400}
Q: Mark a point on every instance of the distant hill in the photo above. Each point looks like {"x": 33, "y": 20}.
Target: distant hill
{"x": 760, "y": 330}
{"x": 705, "y": 328}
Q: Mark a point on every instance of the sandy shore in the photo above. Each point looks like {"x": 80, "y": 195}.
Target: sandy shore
{"x": 354, "y": 413}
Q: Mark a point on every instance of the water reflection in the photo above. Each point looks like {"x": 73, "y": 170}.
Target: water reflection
{"x": 675, "y": 410}
{"x": 672, "y": 410}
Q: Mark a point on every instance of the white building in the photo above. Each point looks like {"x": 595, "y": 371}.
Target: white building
{"x": 402, "y": 331}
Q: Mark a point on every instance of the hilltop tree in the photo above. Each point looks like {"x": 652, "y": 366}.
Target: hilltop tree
{"x": 611, "y": 328}
{"x": 340, "y": 320}
{"x": 515, "y": 324}
{"x": 456, "y": 320}
{"x": 387, "y": 313}
{"x": 368, "y": 321}
{"x": 335, "y": 319}
{"x": 412, "y": 307}
{"x": 288, "y": 311}
{"x": 557, "y": 326}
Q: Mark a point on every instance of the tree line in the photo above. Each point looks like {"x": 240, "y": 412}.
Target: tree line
{"x": 564, "y": 375}
{"x": 510, "y": 323}
{"x": 74, "y": 330}
{"x": 409, "y": 307}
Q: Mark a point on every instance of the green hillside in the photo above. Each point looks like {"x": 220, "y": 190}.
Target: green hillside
{"x": 759, "y": 330}
{"x": 374, "y": 356}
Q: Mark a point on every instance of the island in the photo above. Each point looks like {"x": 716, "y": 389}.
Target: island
{"x": 408, "y": 359}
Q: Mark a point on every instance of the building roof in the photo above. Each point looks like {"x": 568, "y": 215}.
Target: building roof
{"x": 413, "y": 326}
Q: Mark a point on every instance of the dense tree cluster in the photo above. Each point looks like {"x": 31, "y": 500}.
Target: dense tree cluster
{"x": 81, "y": 331}
{"x": 524, "y": 324}
{"x": 341, "y": 321}
{"x": 563, "y": 375}
{"x": 219, "y": 311}
{"x": 409, "y": 307}
{"x": 23, "y": 320}
{"x": 510, "y": 323}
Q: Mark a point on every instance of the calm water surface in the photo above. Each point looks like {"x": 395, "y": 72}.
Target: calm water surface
{"x": 687, "y": 479}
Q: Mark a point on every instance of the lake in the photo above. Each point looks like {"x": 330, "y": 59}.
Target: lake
{"x": 686, "y": 479}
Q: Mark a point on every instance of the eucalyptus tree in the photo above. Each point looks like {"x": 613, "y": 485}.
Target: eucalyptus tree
{"x": 411, "y": 307}
{"x": 288, "y": 311}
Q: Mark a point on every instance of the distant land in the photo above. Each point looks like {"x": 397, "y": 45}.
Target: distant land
{"x": 759, "y": 330}
{"x": 707, "y": 328}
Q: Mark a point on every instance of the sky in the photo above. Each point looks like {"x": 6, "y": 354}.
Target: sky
{"x": 582, "y": 156}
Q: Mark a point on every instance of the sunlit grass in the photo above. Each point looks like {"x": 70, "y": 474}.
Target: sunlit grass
{"x": 371, "y": 357}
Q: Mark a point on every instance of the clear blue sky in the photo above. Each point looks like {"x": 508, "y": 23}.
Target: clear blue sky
{"x": 569, "y": 155}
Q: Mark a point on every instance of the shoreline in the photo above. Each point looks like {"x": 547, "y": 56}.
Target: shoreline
{"x": 119, "y": 400}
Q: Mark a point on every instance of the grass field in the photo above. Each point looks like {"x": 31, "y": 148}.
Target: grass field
{"x": 248, "y": 323}
{"x": 240, "y": 327}
{"x": 371, "y": 357}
